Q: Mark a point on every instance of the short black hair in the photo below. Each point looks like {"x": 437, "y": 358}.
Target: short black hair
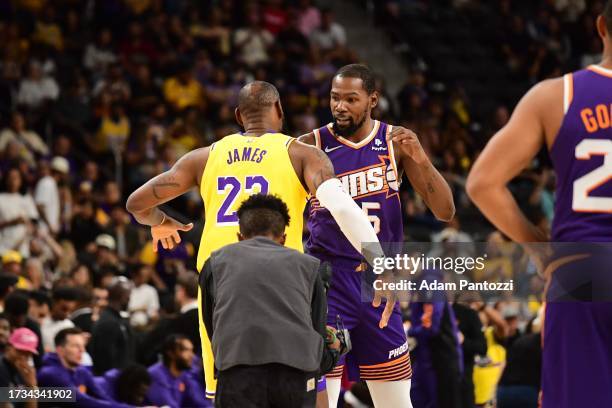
{"x": 8, "y": 281}
{"x": 62, "y": 336}
{"x": 128, "y": 380}
{"x": 257, "y": 96}
{"x": 169, "y": 345}
{"x": 189, "y": 282}
{"x": 65, "y": 293}
{"x": 17, "y": 303}
{"x": 362, "y": 72}
{"x": 262, "y": 214}
{"x": 40, "y": 297}
{"x": 608, "y": 16}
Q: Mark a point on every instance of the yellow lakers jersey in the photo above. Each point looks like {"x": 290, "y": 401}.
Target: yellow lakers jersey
{"x": 237, "y": 167}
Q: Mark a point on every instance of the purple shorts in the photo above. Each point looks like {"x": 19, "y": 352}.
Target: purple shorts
{"x": 577, "y": 339}
{"x": 377, "y": 354}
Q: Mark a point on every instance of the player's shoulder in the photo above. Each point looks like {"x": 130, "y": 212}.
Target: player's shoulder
{"x": 308, "y": 138}
{"x": 197, "y": 155}
{"x": 304, "y": 146}
{"x": 548, "y": 88}
{"x": 541, "y": 97}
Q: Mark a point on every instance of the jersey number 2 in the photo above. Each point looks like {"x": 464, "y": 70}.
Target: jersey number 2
{"x": 581, "y": 201}
{"x": 225, "y": 215}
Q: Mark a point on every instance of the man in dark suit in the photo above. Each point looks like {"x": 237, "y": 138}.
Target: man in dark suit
{"x": 112, "y": 341}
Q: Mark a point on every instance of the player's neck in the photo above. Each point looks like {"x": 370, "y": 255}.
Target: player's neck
{"x": 258, "y": 129}
{"x": 363, "y": 132}
{"x": 606, "y": 62}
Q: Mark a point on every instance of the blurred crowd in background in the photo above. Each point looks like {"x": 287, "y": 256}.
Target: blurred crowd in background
{"x": 96, "y": 97}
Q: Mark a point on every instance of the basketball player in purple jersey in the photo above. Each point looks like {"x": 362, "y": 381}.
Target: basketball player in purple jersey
{"x": 572, "y": 116}
{"x": 369, "y": 158}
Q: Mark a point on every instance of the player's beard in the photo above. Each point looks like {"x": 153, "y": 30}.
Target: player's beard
{"x": 351, "y": 128}
{"x": 183, "y": 364}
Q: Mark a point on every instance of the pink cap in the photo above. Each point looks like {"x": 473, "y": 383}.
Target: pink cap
{"x": 24, "y": 339}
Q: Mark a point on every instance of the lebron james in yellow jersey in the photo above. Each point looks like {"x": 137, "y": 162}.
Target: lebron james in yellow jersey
{"x": 241, "y": 165}
{"x": 259, "y": 160}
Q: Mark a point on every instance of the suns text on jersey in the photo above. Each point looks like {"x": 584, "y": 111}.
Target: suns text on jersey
{"x": 374, "y": 179}
{"x": 255, "y": 155}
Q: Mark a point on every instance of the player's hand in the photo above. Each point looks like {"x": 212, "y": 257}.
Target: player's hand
{"x": 409, "y": 143}
{"x": 390, "y": 297}
{"x": 168, "y": 233}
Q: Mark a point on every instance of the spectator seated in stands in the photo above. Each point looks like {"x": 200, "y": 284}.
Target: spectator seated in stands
{"x": 63, "y": 369}
{"x": 64, "y": 301}
{"x": 16, "y": 308}
{"x": 29, "y": 143}
{"x": 185, "y": 323}
{"x": 172, "y": 382}
{"x": 15, "y": 367}
{"x": 144, "y": 300}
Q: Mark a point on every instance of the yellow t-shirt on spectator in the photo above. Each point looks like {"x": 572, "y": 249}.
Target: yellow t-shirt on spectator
{"x": 183, "y": 95}
{"x": 487, "y": 375}
{"x": 111, "y": 131}
{"x": 49, "y": 34}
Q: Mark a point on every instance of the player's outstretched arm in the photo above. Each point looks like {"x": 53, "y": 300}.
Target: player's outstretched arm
{"x": 143, "y": 203}
{"x": 424, "y": 177}
{"x": 318, "y": 175}
{"x": 505, "y": 156}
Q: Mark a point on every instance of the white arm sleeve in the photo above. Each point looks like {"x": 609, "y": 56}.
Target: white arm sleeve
{"x": 352, "y": 221}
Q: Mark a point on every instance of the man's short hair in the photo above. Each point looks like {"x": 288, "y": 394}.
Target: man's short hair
{"x": 62, "y": 336}
{"x": 257, "y": 96}
{"x": 65, "y": 293}
{"x": 262, "y": 214}
{"x": 360, "y": 71}
{"x": 40, "y": 297}
{"x": 170, "y": 344}
{"x": 130, "y": 378}
{"x": 17, "y": 303}
{"x": 189, "y": 282}
{"x": 608, "y": 16}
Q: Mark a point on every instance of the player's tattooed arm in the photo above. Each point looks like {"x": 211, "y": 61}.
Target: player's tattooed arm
{"x": 311, "y": 165}
{"x": 423, "y": 176}
{"x": 182, "y": 177}
{"x": 317, "y": 169}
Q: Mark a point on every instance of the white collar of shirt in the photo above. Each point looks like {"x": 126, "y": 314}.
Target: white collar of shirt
{"x": 189, "y": 306}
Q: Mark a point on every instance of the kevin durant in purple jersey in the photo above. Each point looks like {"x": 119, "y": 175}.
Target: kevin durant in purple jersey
{"x": 369, "y": 158}
{"x": 572, "y": 116}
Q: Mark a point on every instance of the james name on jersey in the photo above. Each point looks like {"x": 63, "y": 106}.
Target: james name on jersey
{"x": 248, "y": 154}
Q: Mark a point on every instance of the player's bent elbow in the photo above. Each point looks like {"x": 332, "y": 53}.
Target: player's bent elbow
{"x": 475, "y": 186}
{"x": 131, "y": 204}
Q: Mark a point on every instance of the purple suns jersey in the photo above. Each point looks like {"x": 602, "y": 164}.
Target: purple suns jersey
{"x": 582, "y": 159}
{"x": 369, "y": 174}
